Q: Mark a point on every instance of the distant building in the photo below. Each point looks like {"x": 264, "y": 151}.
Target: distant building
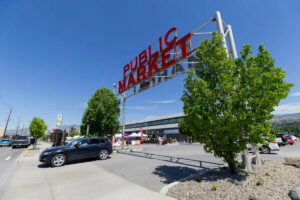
{"x": 75, "y": 129}
{"x": 166, "y": 125}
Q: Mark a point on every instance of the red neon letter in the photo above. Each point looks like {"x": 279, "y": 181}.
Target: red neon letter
{"x": 122, "y": 86}
{"x": 165, "y": 55}
{"x": 160, "y": 44}
{"x": 131, "y": 67}
{"x": 182, "y": 43}
{"x": 126, "y": 68}
{"x": 152, "y": 64}
{"x": 131, "y": 80}
{"x": 143, "y": 58}
{"x": 141, "y": 72}
{"x": 167, "y": 35}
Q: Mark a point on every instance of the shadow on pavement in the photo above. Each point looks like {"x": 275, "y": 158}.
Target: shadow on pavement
{"x": 172, "y": 159}
{"x": 170, "y": 174}
{"x": 173, "y": 173}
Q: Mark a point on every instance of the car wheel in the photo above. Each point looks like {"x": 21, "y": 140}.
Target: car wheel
{"x": 103, "y": 154}
{"x": 266, "y": 150}
{"x": 58, "y": 160}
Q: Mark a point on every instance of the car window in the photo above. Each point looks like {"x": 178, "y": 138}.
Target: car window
{"x": 21, "y": 138}
{"x": 83, "y": 142}
{"x": 94, "y": 141}
{"x": 102, "y": 141}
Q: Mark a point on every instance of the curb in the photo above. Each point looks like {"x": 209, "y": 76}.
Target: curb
{"x": 166, "y": 188}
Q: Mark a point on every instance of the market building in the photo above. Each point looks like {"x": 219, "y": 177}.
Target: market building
{"x": 166, "y": 125}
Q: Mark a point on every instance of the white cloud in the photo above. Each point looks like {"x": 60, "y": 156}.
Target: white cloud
{"x": 142, "y": 107}
{"x": 287, "y": 109}
{"x": 295, "y": 94}
{"x": 165, "y": 101}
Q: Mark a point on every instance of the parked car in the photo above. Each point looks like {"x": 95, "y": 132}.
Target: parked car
{"x": 294, "y": 138}
{"x": 5, "y": 142}
{"x": 267, "y": 148}
{"x": 21, "y": 141}
{"x": 288, "y": 139}
{"x": 280, "y": 142}
{"x": 76, "y": 150}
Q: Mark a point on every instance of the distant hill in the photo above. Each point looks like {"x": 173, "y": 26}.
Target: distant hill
{"x": 287, "y": 118}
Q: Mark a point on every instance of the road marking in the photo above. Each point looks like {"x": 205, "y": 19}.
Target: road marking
{"x": 25, "y": 152}
{"x": 9, "y": 157}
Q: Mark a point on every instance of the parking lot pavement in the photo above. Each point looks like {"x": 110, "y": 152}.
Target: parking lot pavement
{"x": 156, "y": 166}
{"x": 7, "y": 163}
{"x": 285, "y": 151}
{"x": 82, "y": 180}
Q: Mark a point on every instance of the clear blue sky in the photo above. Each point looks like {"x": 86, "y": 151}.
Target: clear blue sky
{"x": 55, "y": 54}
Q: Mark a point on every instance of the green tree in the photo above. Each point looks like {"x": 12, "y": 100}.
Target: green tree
{"x": 183, "y": 129}
{"x": 227, "y": 102}
{"x": 101, "y": 114}
{"x": 37, "y": 128}
{"x": 72, "y": 134}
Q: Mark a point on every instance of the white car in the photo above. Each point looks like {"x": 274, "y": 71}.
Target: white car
{"x": 266, "y": 149}
{"x": 294, "y": 138}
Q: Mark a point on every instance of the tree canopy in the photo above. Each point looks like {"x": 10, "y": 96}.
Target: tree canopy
{"x": 37, "y": 128}
{"x": 228, "y": 102}
{"x": 101, "y": 114}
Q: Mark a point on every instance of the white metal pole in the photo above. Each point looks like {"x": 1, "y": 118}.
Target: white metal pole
{"x": 123, "y": 119}
{"x": 231, "y": 43}
{"x": 220, "y": 28}
{"x": 87, "y": 130}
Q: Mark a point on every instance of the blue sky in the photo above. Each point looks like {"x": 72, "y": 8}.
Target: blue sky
{"x": 55, "y": 54}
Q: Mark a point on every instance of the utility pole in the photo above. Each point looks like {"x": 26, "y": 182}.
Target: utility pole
{"x": 22, "y": 130}
{"x": 87, "y": 130}
{"x": 7, "y": 121}
{"x": 18, "y": 127}
{"x": 123, "y": 120}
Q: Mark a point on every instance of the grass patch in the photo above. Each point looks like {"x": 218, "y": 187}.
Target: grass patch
{"x": 251, "y": 197}
{"x": 260, "y": 182}
{"x": 214, "y": 188}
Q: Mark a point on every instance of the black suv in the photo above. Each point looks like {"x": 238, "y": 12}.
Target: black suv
{"x": 76, "y": 150}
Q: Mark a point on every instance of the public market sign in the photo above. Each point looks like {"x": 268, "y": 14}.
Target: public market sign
{"x": 150, "y": 67}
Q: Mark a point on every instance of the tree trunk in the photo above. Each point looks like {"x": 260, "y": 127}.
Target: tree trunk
{"x": 34, "y": 144}
{"x": 246, "y": 162}
{"x": 257, "y": 159}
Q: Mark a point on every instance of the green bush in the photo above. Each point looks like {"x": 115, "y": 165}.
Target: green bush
{"x": 252, "y": 197}
{"x": 260, "y": 182}
{"x": 214, "y": 187}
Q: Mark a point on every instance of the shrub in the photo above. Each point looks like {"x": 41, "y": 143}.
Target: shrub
{"x": 267, "y": 174}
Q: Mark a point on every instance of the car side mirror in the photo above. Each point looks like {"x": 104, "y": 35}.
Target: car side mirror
{"x": 76, "y": 145}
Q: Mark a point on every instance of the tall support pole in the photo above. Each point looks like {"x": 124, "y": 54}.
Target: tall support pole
{"x": 22, "y": 130}
{"x": 7, "y": 121}
{"x": 87, "y": 130}
{"x": 18, "y": 127}
{"x": 123, "y": 119}
{"x": 231, "y": 43}
{"x": 219, "y": 23}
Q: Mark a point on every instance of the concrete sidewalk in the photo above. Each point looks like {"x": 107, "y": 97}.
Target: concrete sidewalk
{"x": 35, "y": 181}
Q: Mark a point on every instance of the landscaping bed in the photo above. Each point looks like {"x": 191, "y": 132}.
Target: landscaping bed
{"x": 271, "y": 181}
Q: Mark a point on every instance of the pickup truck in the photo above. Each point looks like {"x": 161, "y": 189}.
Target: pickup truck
{"x": 21, "y": 141}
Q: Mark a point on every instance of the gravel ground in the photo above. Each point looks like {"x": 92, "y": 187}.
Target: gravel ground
{"x": 277, "y": 179}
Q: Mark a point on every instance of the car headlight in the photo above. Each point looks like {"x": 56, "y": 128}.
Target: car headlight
{"x": 47, "y": 153}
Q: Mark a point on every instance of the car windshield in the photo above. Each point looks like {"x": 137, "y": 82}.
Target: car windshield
{"x": 73, "y": 142}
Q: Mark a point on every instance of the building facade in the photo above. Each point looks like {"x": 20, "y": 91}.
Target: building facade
{"x": 166, "y": 125}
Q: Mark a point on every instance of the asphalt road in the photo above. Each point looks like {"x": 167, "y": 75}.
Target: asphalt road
{"x": 7, "y": 163}
{"x": 155, "y": 166}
